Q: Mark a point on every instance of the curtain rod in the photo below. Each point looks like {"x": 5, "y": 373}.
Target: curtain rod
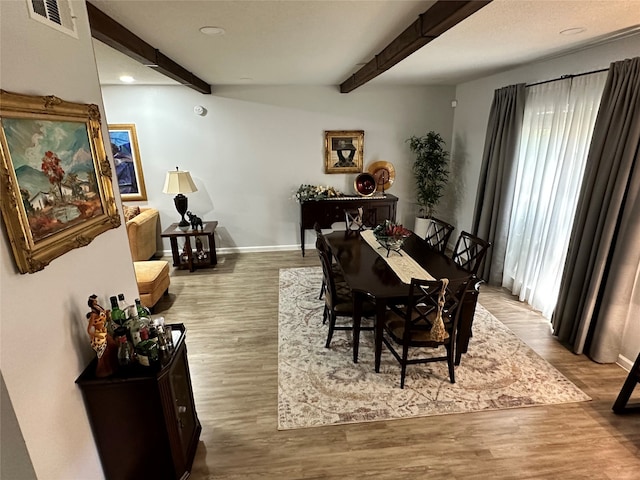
{"x": 563, "y": 77}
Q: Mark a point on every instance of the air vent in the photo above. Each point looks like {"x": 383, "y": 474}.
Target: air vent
{"x": 55, "y": 13}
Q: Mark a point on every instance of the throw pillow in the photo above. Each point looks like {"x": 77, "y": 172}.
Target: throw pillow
{"x": 130, "y": 212}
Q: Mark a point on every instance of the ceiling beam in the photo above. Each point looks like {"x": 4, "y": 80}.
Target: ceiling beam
{"x": 110, "y": 32}
{"x": 440, "y": 17}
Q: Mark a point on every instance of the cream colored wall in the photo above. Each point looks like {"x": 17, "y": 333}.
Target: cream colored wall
{"x": 470, "y": 124}
{"x": 44, "y": 344}
{"x": 257, "y": 144}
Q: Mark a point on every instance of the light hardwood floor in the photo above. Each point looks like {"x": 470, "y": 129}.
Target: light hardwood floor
{"x": 231, "y": 315}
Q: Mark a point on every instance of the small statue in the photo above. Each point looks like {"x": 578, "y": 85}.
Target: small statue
{"x": 101, "y": 342}
{"x": 200, "y": 253}
{"x": 195, "y": 221}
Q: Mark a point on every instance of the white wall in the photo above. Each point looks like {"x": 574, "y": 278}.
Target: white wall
{"x": 256, "y": 145}
{"x": 472, "y": 113}
{"x": 44, "y": 341}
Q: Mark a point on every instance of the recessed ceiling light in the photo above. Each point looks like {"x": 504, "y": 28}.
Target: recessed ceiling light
{"x": 246, "y": 79}
{"x": 572, "y": 31}
{"x": 212, "y": 31}
{"x": 127, "y": 79}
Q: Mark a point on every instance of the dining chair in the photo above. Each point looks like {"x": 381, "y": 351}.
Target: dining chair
{"x": 358, "y": 219}
{"x": 353, "y": 220}
{"x": 323, "y": 246}
{"x": 470, "y": 251}
{"x": 428, "y": 321}
{"x": 438, "y": 234}
{"x": 338, "y": 301}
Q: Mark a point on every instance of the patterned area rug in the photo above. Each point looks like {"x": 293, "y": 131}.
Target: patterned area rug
{"x": 320, "y": 386}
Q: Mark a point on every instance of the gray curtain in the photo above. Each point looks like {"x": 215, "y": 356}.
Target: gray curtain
{"x": 604, "y": 252}
{"x": 497, "y": 177}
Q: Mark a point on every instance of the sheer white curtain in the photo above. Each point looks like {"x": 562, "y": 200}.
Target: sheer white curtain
{"x": 556, "y": 133}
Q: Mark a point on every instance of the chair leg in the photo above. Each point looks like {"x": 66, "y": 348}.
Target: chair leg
{"x": 322, "y": 288}
{"x": 451, "y": 363}
{"x": 324, "y": 314}
{"x": 403, "y": 369}
{"x": 332, "y": 325}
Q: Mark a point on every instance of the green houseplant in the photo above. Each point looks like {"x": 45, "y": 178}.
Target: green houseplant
{"x": 430, "y": 171}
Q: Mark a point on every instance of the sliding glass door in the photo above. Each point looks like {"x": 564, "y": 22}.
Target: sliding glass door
{"x": 558, "y": 124}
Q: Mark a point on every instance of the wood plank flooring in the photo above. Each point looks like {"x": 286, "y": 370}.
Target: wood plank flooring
{"x": 231, "y": 315}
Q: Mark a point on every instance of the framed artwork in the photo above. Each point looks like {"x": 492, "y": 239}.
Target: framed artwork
{"x": 343, "y": 151}
{"x": 126, "y": 158}
{"x": 56, "y": 192}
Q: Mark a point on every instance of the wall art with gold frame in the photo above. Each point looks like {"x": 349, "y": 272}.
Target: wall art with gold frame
{"x": 126, "y": 158}
{"x": 56, "y": 192}
{"x": 343, "y": 151}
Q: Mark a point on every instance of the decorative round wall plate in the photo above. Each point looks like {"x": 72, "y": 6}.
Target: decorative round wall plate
{"x": 384, "y": 173}
{"x": 365, "y": 184}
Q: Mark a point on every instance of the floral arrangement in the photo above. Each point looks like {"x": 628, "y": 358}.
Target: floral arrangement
{"x": 315, "y": 192}
{"x": 391, "y": 235}
{"x": 391, "y": 229}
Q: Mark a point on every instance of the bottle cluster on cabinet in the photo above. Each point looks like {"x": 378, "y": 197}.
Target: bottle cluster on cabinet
{"x": 141, "y": 340}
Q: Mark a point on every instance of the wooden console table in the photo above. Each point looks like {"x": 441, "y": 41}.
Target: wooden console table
{"x": 192, "y": 261}
{"x": 327, "y": 211}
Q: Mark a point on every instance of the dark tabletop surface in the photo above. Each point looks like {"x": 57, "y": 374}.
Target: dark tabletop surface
{"x": 367, "y": 272}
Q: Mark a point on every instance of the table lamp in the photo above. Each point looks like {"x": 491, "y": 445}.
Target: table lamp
{"x": 179, "y": 182}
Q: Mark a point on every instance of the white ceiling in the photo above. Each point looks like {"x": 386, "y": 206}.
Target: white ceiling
{"x": 320, "y": 42}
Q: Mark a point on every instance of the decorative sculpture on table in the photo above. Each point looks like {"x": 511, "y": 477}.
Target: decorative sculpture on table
{"x": 195, "y": 221}
{"x": 101, "y": 342}
{"x": 201, "y": 255}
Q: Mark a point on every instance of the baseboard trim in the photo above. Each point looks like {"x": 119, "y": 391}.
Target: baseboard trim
{"x": 625, "y": 363}
{"x": 260, "y": 249}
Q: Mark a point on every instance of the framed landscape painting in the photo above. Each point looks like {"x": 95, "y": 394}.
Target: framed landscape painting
{"x": 56, "y": 192}
{"x": 126, "y": 157}
{"x": 343, "y": 151}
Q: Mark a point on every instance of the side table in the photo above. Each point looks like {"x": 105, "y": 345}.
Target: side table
{"x": 190, "y": 258}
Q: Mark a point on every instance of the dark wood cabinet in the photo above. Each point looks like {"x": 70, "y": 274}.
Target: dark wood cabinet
{"x": 144, "y": 421}
{"x": 376, "y": 209}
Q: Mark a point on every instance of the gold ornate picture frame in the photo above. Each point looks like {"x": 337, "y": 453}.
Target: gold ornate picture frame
{"x": 126, "y": 159}
{"x": 343, "y": 151}
{"x": 56, "y": 192}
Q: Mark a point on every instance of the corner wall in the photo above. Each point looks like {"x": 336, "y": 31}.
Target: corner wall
{"x": 45, "y": 345}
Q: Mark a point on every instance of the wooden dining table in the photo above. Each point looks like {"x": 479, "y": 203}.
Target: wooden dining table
{"x": 371, "y": 278}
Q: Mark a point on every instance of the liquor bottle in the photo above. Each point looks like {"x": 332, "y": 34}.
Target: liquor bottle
{"x": 163, "y": 349}
{"x": 125, "y": 355}
{"x": 138, "y": 326}
{"x": 117, "y": 315}
{"x": 153, "y": 333}
{"x": 146, "y": 350}
{"x": 165, "y": 339}
{"x": 121, "y": 302}
{"x": 127, "y": 309}
{"x": 141, "y": 309}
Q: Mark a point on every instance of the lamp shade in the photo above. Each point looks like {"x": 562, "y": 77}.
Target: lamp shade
{"x": 178, "y": 181}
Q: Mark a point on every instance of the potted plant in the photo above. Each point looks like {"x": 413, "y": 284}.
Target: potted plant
{"x": 430, "y": 171}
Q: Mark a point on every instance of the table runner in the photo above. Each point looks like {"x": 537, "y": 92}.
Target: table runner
{"x": 403, "y": 265}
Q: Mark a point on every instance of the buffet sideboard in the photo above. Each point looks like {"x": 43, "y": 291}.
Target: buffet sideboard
{"x": 327, "y": 211}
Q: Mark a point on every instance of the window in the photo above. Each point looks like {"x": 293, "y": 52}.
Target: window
{"x": 556, "y": 133}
